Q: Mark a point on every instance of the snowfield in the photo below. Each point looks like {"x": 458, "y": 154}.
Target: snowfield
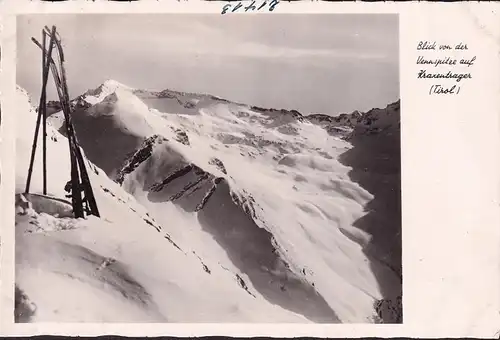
{"x": 211, "y": 211}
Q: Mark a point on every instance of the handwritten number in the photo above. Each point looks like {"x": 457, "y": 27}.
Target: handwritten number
{"x": 225, "y": 8}
{"x": 251, "y": 6}
{"x": 273, "y": 4}
{"x": 237, "y": 7}
{"x": 263, "y": 4}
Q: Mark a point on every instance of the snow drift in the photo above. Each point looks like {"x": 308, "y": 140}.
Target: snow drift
{"x": 212, "y": 211}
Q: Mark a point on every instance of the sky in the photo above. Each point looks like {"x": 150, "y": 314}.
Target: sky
{"x": 313, "y": 63}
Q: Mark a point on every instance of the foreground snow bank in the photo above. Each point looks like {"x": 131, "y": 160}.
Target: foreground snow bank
{"x": 98, "y": 270}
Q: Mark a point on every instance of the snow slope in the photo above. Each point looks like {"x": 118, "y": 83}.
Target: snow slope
{"x": 209, "y": 199}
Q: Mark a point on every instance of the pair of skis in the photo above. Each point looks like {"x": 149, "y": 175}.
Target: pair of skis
{"x": 80, "y": 181}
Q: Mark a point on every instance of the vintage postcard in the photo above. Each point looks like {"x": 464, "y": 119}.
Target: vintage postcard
{"x": 250, "y": 168}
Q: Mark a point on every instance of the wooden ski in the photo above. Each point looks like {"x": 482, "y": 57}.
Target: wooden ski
{"x": 87, "y": 187}
{"x": 43, "y": 110}
{"x": 45, "y": 75}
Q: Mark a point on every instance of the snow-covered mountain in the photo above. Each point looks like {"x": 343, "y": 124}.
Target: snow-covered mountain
{"x": 212, "y": 211}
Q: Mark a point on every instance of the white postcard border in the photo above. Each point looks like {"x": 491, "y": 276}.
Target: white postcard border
{"x": 451, "y": 218}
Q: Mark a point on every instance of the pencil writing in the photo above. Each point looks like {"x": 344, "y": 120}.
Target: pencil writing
{"x": 253, "y": 6}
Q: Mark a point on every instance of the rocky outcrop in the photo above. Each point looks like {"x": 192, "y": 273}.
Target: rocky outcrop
{"x": 377, "y": 121}
{"x": 177, "y": 173}
{"x": 389, "y": 310}
{"x": 24, "y": 308}
{"x": 79, "y": 102}
{"x": 218, "y": 164}
{"x": 209, "y": 193}
{"x": 139, "y": 156}
{"x": 182, "y": 137}
{"x": 344, "y": 119}
{"x": 53, "y": 106}
{"x": 340, "y": 126}
{"x": 94, "y": 92}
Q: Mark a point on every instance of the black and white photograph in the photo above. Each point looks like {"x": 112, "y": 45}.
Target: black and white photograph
{"x": 207, "y": 168}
